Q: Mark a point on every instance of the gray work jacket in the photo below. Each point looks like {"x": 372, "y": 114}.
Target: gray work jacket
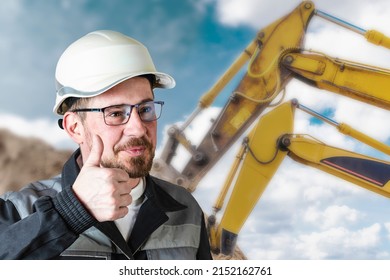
{"x": 45, "y": 220}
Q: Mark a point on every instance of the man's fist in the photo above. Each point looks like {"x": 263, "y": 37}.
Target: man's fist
{"x": 105, "y": 192}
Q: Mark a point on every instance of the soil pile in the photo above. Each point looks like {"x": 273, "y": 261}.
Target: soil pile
{"x": 24, "y": 160}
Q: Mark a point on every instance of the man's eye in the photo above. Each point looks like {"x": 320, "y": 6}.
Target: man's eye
{"x": 145, "y": 109}
{"x": 116, "y": 114}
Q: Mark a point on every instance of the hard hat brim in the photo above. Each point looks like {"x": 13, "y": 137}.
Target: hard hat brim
{"x": 162, "y": 80}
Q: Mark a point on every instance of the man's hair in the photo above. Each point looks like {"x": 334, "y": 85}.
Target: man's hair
{"x": 77, "y": 103}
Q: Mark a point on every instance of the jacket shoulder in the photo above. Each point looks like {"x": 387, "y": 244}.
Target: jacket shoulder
{"x": 24, "y": 199}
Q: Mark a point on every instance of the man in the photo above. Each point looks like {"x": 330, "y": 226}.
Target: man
{"x": 105, "y": 204}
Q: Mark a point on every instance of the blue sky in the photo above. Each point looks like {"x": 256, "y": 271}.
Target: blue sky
{"x": 182, "y": 36}
{"x": 304, "y": 213}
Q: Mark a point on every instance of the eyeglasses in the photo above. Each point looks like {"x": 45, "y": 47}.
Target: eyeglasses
{"x": 120, "y": 114}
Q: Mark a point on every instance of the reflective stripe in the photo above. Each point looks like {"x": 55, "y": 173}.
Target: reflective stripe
{"x": 84, "y": 255}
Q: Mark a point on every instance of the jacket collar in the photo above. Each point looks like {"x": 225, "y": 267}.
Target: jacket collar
{"x": 162, "y": 199}
{"x": 71, "y": 170}
{"x": 152, "y": 213}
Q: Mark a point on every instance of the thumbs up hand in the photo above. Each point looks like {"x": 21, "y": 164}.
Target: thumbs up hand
{"x": 105, "y": 192}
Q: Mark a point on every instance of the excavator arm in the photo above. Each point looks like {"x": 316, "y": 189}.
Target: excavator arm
{"x": 364, "y": 171}
{"x": 361, "y": 82}
{"x": 262, "y": 152}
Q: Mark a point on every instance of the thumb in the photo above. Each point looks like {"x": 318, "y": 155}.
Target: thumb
{"x": 96, "y": 152}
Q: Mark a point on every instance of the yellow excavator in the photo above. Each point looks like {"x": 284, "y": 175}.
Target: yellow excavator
{"x": 273, "y": 58}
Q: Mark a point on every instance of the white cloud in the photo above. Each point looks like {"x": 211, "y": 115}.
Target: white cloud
{"x": 253, "y": 13}
{"x": 43, "y": 129}
{"x": 339, "y": 242}
{"x": 332, "y": 216}
{"x": 333, "y": 243}
{"x": 259, "y": 13}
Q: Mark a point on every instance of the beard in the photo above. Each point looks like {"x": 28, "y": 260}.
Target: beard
{"x": 136, "y": 167}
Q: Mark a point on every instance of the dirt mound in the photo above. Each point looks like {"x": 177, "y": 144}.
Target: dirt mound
{"x": 23, "y": 160}
{"x": 237, "y": 255}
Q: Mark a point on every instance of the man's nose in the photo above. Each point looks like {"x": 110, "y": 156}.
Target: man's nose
{"x": 135, "y": 127}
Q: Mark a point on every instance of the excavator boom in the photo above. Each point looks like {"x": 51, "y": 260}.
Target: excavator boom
{"x": 261, "y": 159}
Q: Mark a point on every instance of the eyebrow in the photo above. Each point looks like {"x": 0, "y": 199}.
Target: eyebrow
{"x": 142, "y": 101}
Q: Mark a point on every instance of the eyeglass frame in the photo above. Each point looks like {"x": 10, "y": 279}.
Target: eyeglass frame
{"x": 161, "y": 103}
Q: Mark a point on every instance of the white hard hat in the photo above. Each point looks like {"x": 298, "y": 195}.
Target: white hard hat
{"x": 99, "y": 61}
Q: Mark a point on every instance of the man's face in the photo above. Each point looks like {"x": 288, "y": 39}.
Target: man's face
{"x": 128, "y": 146}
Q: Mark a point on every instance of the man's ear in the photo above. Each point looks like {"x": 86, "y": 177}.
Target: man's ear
{"x": 74, "y": 127}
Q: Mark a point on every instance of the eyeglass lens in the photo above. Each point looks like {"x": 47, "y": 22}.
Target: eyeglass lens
{"x": 120, "y": 114}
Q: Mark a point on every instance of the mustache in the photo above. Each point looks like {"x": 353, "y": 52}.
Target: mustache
{"x": 133, "y": 142}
